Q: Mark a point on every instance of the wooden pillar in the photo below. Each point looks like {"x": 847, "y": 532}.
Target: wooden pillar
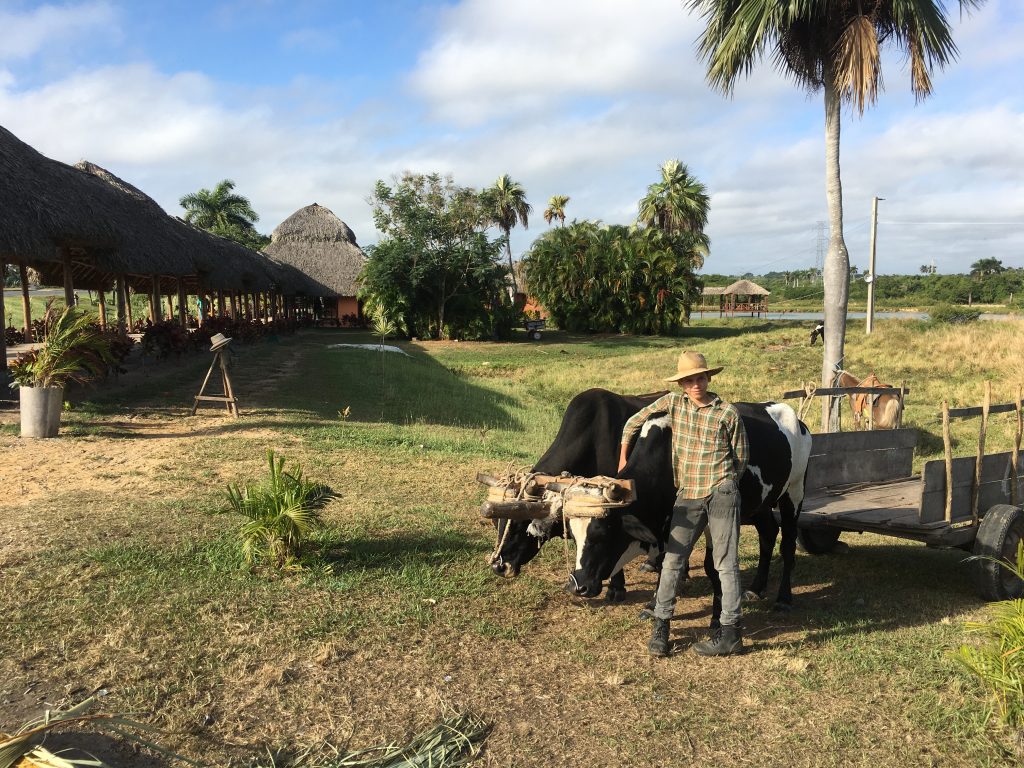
{"x": 220, "y": 303}
{"x": 170, "y": 305}
{"x": 182, "y": 305}
{"x": 101, "y": 300}
{"x": 119, "y": 290}
{"x": 154, "y": 300}
{"x": 128, "y": 305}
{"x": 69, "y": 283}
{"x": 26, "y": 304}
{"x": 5, "y": 390}
{"x": 248, "y": 308}
{"x": 257, "y": 310}
{"x": 233, "y": 296}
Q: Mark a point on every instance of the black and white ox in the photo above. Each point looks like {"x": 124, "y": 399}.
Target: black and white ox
{"x": 779, "y": 448}
{"x": 587, "y": 444}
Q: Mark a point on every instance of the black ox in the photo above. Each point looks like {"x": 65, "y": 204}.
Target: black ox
{"x": 588, "y": 443}
{"x": 779, "y": 446}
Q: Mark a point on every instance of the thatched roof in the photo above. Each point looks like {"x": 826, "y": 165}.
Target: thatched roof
{"x": 746, "y": 288}
{"x": 47, "y": 204}
{"x": 320, "y": 246}
{"x": 715, "y": 290}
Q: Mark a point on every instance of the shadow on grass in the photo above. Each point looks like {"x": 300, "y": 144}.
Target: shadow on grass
{"x": 396, "y": 551}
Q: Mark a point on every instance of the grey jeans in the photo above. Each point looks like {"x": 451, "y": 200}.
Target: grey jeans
{"x": 720, "y": 514}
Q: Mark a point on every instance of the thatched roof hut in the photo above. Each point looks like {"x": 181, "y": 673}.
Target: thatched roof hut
{"x": 746, "y": 288}
{"x": 322, "y": 247}
{"x": 48, "y": 205}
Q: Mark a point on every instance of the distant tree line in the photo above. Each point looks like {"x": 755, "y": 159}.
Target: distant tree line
{"x": 988, "y": 282}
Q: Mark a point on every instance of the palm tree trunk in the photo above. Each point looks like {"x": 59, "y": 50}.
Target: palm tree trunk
{"x": 836, "y": 277}
{"x": 511, "y": 269}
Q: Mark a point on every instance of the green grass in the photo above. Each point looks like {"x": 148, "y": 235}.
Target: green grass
{"x": 125, "y": 575}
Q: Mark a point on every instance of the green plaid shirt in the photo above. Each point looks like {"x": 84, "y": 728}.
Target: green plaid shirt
{"x": 709, "y": 443}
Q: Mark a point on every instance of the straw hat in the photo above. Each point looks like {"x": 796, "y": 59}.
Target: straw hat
{"x": 690, "y": 364}
{"x": 219, "y": 340}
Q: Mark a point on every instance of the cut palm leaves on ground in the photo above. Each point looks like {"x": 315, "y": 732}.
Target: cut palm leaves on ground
{"x": 24, "y": 748}
{"x": 282, "y": 512}
{"x": 453, "y": 742}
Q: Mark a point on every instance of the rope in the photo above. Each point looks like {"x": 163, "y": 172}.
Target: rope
{"x": 809, "y": 390}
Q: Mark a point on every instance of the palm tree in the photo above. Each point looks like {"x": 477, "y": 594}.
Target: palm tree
{"x": 677, "y": 203}
{"x": 831, "y": 46}
{"x": 988, "y": 266}
{"x": 556, "y": 209}
{"x": 505, "y": 205}
{"x": 220, "y": 209}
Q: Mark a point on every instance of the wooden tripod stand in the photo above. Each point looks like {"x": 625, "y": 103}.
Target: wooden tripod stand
{"x": 228, "y": 398}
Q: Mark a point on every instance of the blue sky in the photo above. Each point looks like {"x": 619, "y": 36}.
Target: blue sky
{"x": 312, "y": 101}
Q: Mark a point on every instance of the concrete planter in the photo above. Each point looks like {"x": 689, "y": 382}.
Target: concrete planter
{"x": 40, "y": 410}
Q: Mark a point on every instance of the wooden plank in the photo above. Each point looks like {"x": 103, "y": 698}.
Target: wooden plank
{"x": 995, "y": 487}
{"x": 830, "y": 442}
{"x": 833, "y": 391}
{"x": 830, "y": 470}
{"x": 977, "y": 410}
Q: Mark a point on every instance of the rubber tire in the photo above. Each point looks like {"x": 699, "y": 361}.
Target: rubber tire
{"x": 1000, "y": 530}
{"x": 817, "y": 541}
{"x": 535, "y": 335}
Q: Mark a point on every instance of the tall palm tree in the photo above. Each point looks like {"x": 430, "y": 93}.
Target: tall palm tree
{"x": 677, "y": 203}
{"x": 556, "y": 209}
{"x": 505, "y": 204}
{"x": 220, "y": 209}
{"x": 830, "y": 46}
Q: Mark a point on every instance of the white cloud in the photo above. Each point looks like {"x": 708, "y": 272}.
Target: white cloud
{"x": 25, "y": 35}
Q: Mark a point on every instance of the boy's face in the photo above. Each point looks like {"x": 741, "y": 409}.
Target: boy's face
{"x": 695, "y": 386}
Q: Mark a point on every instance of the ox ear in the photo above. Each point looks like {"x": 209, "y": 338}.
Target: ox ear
{"x": 631, "y": 524}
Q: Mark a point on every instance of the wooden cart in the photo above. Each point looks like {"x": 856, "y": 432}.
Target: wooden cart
{"x": 863, "y": 481}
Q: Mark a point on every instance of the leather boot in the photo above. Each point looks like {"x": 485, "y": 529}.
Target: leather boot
{"x": 658, "y": 646}
{"x": 724, "y": 641}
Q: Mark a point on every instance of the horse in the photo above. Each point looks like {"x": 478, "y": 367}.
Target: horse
{"x": 886, "y": 409}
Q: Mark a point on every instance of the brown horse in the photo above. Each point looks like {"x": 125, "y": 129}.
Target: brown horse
{"x": 886, "y": 410}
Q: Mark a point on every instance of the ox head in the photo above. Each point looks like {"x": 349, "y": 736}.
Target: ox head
{"x": 519, "y": 541}
{"x": 605, "y": 544}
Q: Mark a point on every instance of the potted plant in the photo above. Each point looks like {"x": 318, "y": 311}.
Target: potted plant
{"x": 73, "y": 350}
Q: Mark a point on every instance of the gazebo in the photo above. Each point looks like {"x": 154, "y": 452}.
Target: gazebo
{"x": 324, "y": 250}
{"x": 741, "y": 297}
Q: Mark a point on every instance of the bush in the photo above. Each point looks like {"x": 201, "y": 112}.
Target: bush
{"x": 998, "y": 661}
{"x": 282, "y": 512}
{"x": 950, "y": 314}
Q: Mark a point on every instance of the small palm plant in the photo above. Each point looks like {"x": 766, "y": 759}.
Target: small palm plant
{"x": 998, "y": 660}
{"x": 73, "y": 350}
{"x": 282, "y": 513}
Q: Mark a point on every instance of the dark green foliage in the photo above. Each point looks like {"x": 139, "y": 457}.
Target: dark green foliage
{"x": 224, "y": 213}
{"x": 434, "y": 266}
{"x": 595, "y": 278}
{"x": 950, "y": 315}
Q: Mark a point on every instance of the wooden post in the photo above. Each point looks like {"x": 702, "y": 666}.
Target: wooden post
{"x": 128, "y": 305}
{"x": 976, "y": 485}
{"x": 248, "y": 308}
{"x": 101, "y": 302}
{"x": 948, "y": 443}
{"x": 69, "y": 283}
{"x": 5, "y": 390}
{"x": 899, "y": 416}
{"x": 26, "y": 303}
{"x": 220, "y": 303}
{"x": 182, "y": 304}
{"x": 1015, "y": 456}
{"x": 257, "y": 310}
{"x": 119, "y": 299}
{"x": 233, "y": 304}
{"x": 170, "y": 306}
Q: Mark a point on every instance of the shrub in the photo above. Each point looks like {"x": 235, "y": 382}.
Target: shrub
{"x": 998, "y": 660}
{"x": 282, "y": 512}
{"x": 950, "y": 314}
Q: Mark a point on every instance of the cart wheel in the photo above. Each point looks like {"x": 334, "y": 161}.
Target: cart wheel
{"x": 1001, "y": 529}
{"x": 535, "y": 335}
{"x": 817, "y": 541}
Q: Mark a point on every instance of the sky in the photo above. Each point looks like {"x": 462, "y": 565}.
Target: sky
{"x": 304, "y": 101}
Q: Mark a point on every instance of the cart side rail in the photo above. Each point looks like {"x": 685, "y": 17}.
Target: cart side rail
{"x": 846, "y": 458}
{"x": 995, "y": 483}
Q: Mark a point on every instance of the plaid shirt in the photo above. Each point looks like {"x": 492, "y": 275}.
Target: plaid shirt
{"x": 709, "y": 443}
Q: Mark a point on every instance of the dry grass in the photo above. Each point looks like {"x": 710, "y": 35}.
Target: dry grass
{"x": 115, "y": 573}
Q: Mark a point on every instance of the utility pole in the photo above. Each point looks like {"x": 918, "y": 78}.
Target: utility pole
{"x": 871, "y": 265}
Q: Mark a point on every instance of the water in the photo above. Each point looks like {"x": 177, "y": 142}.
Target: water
{"x": 851, "y": 315}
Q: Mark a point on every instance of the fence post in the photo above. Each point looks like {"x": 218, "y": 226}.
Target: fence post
{"x": 976, "y": 486}
{"x": 948, "y": 444}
